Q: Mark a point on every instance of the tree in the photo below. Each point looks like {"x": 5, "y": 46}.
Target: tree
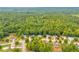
{"x": 70, "y": 48}
{"x": 39, "y": 46}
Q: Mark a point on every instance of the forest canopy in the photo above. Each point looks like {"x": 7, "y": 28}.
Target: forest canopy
{"x": 38, "y": 23}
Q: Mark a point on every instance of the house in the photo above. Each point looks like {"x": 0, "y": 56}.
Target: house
{"x": 24, "y": 36}
{"x": 77, "y": 44}
{"x": 56, "y": 47}
{"x": 48, "y": 37}
{"x": 71, "y": 38}
{"x": 39, "y": 35}
{"x": 64, "y": 37}
{"x": 55, "y": 38}
{"x": 30, "y": 38}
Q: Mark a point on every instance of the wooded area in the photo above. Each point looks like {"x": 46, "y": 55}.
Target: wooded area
{"x": 34, "y": 24}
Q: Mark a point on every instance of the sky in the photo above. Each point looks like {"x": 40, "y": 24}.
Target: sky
{"x": 39, "y": 3}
